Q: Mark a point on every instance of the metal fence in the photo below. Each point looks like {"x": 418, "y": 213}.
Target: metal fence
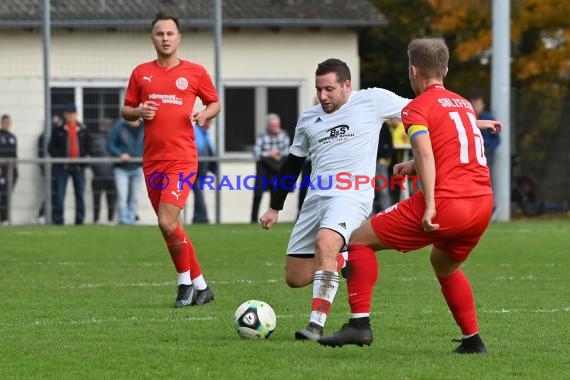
{"x": 26, "y": 200}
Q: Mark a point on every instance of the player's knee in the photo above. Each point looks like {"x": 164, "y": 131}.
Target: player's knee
{"x": 167, "y": 226}
{"x": 295, "y": 279}
{"x": 328, "y": 242}
{"x": 442, "y": 263}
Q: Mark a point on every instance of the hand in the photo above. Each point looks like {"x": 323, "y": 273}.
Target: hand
{"x": 199, "y": 118}
{"x": 427, "y": 224}
{"x": 494, "y": 125}
{"x": 404, "y": 168}
{"x": 148, "y": 109}
{"x": 269, "y": 218}
{"x": 275, "y": 154}
{"x": 125, "y": 157}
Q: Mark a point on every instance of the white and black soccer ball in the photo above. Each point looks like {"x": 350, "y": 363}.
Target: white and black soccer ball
{"x": 255, "y": 320}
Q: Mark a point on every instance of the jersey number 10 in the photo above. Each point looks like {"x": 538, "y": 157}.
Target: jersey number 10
{"x": 463, "y": 143}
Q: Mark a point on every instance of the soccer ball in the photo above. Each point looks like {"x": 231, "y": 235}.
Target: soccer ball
{"x": 255, "y": 320}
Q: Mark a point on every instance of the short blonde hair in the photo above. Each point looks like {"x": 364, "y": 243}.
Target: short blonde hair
{"x": 430, "y": 56}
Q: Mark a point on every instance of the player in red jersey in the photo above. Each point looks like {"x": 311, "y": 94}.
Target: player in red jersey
{"x": 451, "y": 212}
{"x": 163, "y": 93}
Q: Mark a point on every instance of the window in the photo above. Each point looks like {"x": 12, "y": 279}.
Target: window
{"x": 246, "y": 108}
{"x": 94, "y": 104}
{"x": 100, "y": 104}
{"x": 59, "y": 98}
{"x": 240, "y": 119}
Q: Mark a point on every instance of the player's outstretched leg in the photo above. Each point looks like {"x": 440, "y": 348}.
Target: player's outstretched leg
{"x": 325, "y": 282}
{"x": 458, "y": 294}
{"x": 325, "y": 285}
{"x": 360, "y": 283}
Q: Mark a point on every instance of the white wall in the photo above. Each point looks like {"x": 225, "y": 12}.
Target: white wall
{"x": 97, "y": 56}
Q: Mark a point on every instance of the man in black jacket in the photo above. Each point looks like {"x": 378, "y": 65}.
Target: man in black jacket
{"x": 8, "y": 173}
{"x": 382, "y": 197}
{"x": 69, "y": 139}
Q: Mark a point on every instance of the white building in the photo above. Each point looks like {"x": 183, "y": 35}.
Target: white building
{"x": 270, "y": 50}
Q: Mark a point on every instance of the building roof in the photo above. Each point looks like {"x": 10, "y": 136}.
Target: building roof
{"x": 192, "y": 13}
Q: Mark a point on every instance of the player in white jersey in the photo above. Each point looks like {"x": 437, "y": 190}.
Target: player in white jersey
{"x": 341, "y": 135}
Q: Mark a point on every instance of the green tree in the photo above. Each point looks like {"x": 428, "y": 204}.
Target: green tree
{"x": 384, "y": 62}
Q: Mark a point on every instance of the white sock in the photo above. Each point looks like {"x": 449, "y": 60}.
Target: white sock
{"x": 184, "y": 278}
{"x": 345, "y": 255}
{"x": 199, "y": 283}
{"x": 325, "y": 286}
{"x": 359, "y": 315}
{"x": 469, "y": 336}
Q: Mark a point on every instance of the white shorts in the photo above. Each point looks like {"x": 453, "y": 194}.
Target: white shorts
{"x": 340, "y": 214}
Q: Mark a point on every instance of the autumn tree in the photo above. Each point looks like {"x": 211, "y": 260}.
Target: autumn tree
{"x": 540, "y": 66}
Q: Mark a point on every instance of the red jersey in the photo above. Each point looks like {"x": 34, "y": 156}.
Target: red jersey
{"x": 170, "y": 135}
{"x": 460, "y": 163}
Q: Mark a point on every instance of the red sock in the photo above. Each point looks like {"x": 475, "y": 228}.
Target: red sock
{"x": 340, "y": 262}
{"x": 177, "y": 243}
{"x": 459, "y": 297}
{"x": 363, "y": 273}
{"x": 196, "y": 270}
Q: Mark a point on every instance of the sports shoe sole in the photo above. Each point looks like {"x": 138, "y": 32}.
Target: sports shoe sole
{"x": 306, "y": 335}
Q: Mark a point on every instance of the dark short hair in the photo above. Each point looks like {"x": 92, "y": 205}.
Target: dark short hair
{"x": 477, "y": 97}
{"x": 161, "y": 16}
{"x": 430, "y": 55}
{"x": 5, "y": 116}
{"x": 333, "y": 65}
{"x": 69, "y": 107}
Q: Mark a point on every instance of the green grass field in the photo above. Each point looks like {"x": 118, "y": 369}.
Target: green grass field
{"x": 96, "y": 302}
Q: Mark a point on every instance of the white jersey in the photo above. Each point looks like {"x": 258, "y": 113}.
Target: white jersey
{"x": 344, "y": 144}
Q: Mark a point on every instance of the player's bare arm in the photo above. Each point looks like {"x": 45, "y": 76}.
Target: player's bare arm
{"x": 494, "y": 125}
{"x": 209, "y": 112}
{"x": 425, "y": 167}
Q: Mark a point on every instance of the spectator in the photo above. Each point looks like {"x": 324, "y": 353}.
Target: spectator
{"x": 382, "y": 197}
{"x": 103, "y": 180}
{"x": 490, "y": 140}
{"x": 126, "y": 141}
{"x": 399, "y": 141}
{"x": 41, "y": 154}
{"x": 271, "y": 149}
{"x": 41, "y": 150}
{"x": 70, "y": 139}
{"x": 205, "y": 149}
{"x": 8, "y": 172}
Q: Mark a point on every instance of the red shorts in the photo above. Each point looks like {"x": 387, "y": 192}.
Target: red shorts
{"x": 169, "y": 181}
{"x": 462, "y": 222}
